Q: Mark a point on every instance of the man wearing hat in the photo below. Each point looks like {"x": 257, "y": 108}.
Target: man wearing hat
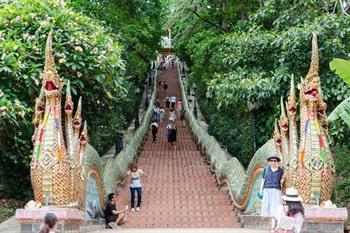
{"x": 271, "y": 187}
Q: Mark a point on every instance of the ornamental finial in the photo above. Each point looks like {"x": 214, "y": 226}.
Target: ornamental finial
{"x": 283, "y": 122}
{"x": 277, "y": 137}
{"x": 51, "y": 78}
{"x": 312, "y": 75}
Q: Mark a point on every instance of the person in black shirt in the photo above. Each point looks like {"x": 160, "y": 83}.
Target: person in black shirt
{"x": 113, "y": 216}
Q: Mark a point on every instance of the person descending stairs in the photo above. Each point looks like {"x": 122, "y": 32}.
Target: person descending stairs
{"x": 179, "y": 190}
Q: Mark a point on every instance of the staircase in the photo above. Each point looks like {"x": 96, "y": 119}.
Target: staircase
{"x": 179, "y": 190}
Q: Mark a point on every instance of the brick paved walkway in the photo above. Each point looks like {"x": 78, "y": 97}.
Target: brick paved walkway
{"x": 180, "y": 191}
{"x": 177, "y": 230}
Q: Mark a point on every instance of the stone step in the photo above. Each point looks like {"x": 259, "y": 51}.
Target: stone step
{"x": 179, "y": 191}
{"x": 182, "y": 230}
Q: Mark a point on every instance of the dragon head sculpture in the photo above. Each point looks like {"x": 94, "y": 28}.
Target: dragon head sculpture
{"x": 309, "y": 162}
{"x": 54, "y": 166}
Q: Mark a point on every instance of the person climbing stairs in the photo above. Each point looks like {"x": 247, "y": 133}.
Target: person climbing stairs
{"x": 179, "y": 190}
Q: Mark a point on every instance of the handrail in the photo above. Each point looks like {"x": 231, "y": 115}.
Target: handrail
{"x": 115, "y": 168}
{"x": 240, "y": 182}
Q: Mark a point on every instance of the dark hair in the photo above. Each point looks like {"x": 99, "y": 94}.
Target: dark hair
{"x": 294, "y": 207}
{"x": 50, "y": 220}
{"x": 133, "y": 166}
{"x": 110, "y": 196}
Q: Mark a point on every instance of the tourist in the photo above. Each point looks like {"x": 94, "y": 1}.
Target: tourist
{"x": 171, "y": 127}
{"x": 50, "y": 221}
{"x": 271, "y": 187}
{"x": 155, "y": 114}
{"x": 165, "y": 86}
{"x": 290, "y": 216}
{"x": 179, "y": 106}
{"x": 172, "y": 115}
{"x": 154, "y": 127}
{"x": 161, "y": 113}
{"x": 182, "y": 117}
{"x": 135, "y": 185}
{"x": 159, "y": 86}
{"x": 114, "y": 217}
{"x": 167, "y": 102}
{"x": 172, "y": 101}
{"x": 157, "y": 104}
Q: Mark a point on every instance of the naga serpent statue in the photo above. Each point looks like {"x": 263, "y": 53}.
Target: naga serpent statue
{"x": 309, "y": 163}
{"x": 307, "y": 159}
{"x": 67, "y": 171}
{"x": 60, "y": 165}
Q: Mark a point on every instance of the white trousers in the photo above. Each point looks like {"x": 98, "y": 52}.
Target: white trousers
{"x": 270, "y": 202}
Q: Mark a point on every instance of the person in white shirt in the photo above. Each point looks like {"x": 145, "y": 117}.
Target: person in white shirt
{"x": 172, "y": 115}
{"x": 154, "y": 127}
{"x": 171, "y": 127}
{"x": 291, "y": 215}
{"x": 172, "y": 101}
{"x": 135, "y": 184}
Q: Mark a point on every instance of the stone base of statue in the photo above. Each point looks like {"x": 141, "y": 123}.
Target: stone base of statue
{"x": 317, "y": 219}
{"x": 70, "y": 220}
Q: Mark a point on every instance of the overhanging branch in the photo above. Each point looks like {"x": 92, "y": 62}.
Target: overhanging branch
{"x": 207, "y": 21}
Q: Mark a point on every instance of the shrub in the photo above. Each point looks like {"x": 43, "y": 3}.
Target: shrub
{"x": 85, "y": 53}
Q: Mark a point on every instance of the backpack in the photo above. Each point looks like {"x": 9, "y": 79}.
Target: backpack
{"x": 286, "y": 225}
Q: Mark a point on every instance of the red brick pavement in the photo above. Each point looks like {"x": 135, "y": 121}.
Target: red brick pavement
{"x": 179, "y": 190}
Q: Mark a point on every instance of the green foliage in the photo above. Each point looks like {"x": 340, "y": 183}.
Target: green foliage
{"x": 138, "y": 24}
{"x": 8, "y": 207}
{"x": 341, "y": 68}
{"x": 342, "y": 163}
{"x": 252, "y": 59}
{"x": 341, "y": 111}
{"x": 86, "y": 53}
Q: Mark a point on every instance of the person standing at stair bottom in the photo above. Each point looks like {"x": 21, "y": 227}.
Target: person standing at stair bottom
{"x": 154, "y": 127}
{"x": 270, "y": 188}
{"x": 113, "y": 216}
{"x": 171, "y": 127}
{"x": 135, "y": 185}
{"x": 291, "y": 216}
{"x": 50, "y": 223}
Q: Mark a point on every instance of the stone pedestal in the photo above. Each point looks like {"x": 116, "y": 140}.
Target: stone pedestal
{"x": 324, "y": 220}
{"x": 317, "y": 219}
{"x": 69, "y": 220}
